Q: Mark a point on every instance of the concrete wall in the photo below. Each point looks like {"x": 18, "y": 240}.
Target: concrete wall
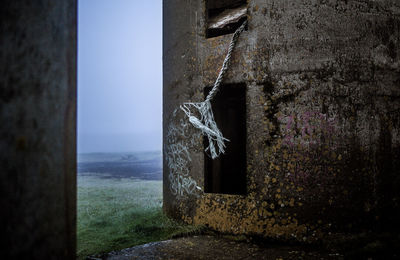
{"x": 37, "y": 129}
{"x": 323, "y": 117}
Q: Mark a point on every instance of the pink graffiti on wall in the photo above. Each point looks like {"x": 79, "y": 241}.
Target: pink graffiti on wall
{"x": 309, "y": 135}
{"x": 307, "y": 128}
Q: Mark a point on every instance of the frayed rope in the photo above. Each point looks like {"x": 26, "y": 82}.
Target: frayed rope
{"x": 206, "y": 124}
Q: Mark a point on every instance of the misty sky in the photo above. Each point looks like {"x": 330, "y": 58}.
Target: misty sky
{"x": 119, "y": 75}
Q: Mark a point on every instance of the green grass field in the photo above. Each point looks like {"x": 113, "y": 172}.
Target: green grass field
{"x": 116, "y": 213}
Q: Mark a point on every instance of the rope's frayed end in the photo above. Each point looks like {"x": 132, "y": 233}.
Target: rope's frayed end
{"x": 207, "y": 126}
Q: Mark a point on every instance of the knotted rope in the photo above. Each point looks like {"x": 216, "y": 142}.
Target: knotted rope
{"x": 206, "y": 123}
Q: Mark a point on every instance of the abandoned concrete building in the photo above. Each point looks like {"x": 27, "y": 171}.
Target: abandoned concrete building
{"x": 310, "y": 105}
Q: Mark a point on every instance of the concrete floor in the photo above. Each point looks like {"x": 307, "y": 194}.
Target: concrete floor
{"x": 214, "y": 247}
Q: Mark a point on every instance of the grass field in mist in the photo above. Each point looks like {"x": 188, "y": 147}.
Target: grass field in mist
{"x": 120, "y": 202}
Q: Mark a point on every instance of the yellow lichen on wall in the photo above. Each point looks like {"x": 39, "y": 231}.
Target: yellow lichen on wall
{"x": 238, "y": 214}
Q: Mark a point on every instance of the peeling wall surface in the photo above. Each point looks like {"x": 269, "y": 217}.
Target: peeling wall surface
{"x": 37, "y": 129}
{"x": 323, "y": 117}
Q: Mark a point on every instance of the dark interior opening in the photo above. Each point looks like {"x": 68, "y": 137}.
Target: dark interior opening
{"x": 224, "y": 16}
{"x": 227, "y": 173}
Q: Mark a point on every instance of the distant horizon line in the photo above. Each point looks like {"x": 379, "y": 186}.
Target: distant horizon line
{"x": 105, "y": 152}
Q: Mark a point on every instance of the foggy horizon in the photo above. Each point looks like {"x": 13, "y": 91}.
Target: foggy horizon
{"x": 119, "y": 76}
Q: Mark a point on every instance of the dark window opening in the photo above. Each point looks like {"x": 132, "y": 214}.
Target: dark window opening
{"x": 224, "y": 16}
{"x": 227, "y": 173}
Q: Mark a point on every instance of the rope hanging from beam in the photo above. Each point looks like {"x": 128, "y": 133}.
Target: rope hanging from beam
{"x": 206, "y": 123}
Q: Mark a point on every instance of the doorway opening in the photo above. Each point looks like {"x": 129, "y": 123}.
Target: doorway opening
{"x": 119, "y": 126}
{"x": 227, "y": 173}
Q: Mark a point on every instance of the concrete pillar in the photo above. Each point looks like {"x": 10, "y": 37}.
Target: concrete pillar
{"x": 37, "y": 129}
{"x": 323, "y": 117}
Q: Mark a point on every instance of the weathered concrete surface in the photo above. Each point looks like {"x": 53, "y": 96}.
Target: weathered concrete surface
{"x": 37, "y": 133}
{"x": 323, "y": 117}
{"x": 211, "y": 247}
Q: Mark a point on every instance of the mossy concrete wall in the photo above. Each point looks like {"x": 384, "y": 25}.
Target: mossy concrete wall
{"x": 323, "y": 117}
{"x": 37, "y": 129}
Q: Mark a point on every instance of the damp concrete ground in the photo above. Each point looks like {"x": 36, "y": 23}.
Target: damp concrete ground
{"x": 215, "y": 247}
